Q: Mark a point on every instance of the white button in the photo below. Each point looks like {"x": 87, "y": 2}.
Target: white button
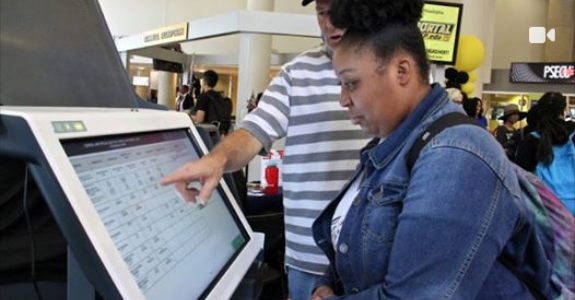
{"x": 343, "y": 248}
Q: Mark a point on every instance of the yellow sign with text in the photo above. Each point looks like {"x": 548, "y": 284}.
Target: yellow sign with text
{"x": 439, "y": 26}
{"x": 170, "y": 34}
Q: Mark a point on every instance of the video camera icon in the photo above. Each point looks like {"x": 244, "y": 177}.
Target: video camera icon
{"x": 537, "y": 35}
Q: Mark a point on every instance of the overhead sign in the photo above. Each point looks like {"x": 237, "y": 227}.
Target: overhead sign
{"x": 440, "y": 25}
{"x": 550, "y": 73}
{"x": 165, "y": 35}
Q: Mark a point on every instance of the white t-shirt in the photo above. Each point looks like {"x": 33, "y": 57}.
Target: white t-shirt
{"x": 342, "y": 209}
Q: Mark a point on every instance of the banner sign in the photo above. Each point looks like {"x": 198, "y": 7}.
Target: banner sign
{"x": 440, "y": 25}
{"x": 550, "y": 73}
{"x": 170, "y": 34}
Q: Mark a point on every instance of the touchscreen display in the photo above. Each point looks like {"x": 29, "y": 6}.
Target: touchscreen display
{"x": 174, "y": 249}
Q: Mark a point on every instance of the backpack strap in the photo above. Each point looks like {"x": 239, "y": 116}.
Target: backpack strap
{"x": 569, "y": 139}
{"x": 446, "y": 121}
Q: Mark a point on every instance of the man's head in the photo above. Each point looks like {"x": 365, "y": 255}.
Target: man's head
{"x": 209, "y": 80}
{"x": 330, "y": 34}
{"x": 512, "y": 114}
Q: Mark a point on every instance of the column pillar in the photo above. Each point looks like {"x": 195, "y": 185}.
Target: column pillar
{"x": 561, "y": 17}
{"x": 254, "y": 61}
{"x": 479, "y": 20}
{"x": 125, "y": 58}
{"x": 167, "y": 89}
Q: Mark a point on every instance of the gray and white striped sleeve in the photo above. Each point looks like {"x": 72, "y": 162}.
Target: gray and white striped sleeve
{"x": 269, "y": 121}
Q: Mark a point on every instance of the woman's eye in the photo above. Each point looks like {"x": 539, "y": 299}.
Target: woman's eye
{"x": 350, "y": 86}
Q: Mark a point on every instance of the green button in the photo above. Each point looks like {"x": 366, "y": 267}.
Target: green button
{"x": 238, "y": 242}
{"x": 58, "y": 127}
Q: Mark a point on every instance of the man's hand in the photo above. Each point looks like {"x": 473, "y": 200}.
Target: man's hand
{"x": 322, "y": 292}
{"x": 233, "y": 153}
{"x": 208, "y": 171}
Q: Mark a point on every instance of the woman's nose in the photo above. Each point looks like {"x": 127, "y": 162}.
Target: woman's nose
{"x": 344, "y": 99}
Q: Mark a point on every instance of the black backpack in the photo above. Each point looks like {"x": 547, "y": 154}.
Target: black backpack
{"x": 220, "y": 113}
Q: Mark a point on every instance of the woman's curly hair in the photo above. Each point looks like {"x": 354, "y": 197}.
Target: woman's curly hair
{"x": 384, "y": 26}
{"x": 372, "y": 15}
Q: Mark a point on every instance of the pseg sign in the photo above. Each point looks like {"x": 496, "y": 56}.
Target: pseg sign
{"x": 558, "y": 71}
{"x": 555, "y": 73}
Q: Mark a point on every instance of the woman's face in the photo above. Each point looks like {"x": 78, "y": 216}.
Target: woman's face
{"x": 513, "y": 118}
{"x": 478, "y": 108}
{"x": 370, "y": 90}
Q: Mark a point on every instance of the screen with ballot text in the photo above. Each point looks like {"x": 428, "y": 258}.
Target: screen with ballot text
{"x": 170, "y": 246}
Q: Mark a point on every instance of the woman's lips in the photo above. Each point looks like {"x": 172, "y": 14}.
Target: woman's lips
{"x": 356, "y": 120}
{"x": 335, "y": 39}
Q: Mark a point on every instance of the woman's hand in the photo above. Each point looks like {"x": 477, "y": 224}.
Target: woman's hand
{"x": 322, "y": 292}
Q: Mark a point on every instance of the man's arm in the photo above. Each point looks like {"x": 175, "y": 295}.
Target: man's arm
{"x": 259, "y": 129}
{"x": 199, "y": 117}
{"x": 201, "y": 108}
{"x": 233, "y": 153}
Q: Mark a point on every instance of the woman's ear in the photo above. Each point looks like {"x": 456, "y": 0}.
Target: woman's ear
{"x": 405, "y": 69}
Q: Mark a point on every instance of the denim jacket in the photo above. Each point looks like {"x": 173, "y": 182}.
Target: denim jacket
{"x": 440, "y": 231}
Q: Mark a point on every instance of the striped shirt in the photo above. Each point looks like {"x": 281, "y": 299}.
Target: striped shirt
{"x": 321, "y": 152}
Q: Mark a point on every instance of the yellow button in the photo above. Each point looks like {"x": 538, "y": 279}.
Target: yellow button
{"x": 78, "y": 126}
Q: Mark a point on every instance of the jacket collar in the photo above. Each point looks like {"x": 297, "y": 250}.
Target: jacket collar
{"x": 379, "y": 154}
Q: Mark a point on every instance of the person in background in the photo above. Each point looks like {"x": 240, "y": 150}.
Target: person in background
{"x": 253, "y": 102}
{"x": 153, "y": 96}
{"x": 207, "y": 97}
{"x": 533, "y": 118}
{"x": 453, "y": 82}
{"x": 480, "y": 114}
{"x": 184, "y": 101}
{"x": 549, "y": 149}
{"x": 212, "y": 107}
{"x": 456, "y": 95}
{"x": 474, "y": 109}
{"x": 177, "y": 94}
{"x": 504, "y": 133}
{"x": 322, "y": 151}
{"x": 438, "y": 230}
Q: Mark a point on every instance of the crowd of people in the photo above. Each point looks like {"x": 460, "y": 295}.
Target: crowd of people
{"x": 545, "y": 146}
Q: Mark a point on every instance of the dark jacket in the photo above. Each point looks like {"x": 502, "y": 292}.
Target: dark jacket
{"x": 217, "y": 108}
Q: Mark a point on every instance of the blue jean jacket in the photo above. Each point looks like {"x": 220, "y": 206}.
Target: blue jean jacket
{"x": 441, "y": 231}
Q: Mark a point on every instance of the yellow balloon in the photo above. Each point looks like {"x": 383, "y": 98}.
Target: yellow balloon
{"x": 468, "y": 88}
{"x": 470, "y": 53}
{"x": 472, "y": 76}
